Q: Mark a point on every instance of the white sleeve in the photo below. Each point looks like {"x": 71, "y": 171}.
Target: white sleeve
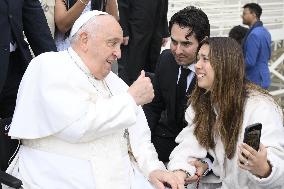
{"x": 142, "y": 148}
{"x": 56, "y": 98}
{"x": 99, "y": 116}
{"x": 271, "y": 118}
{"x": 188, "y": 148}
{"x": 209, "y": 163}
{"x": 103, "y": 116}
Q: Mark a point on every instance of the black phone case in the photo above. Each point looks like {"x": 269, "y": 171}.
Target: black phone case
{"x": 252, "y": 135}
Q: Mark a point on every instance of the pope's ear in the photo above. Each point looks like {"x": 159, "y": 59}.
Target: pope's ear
{"x": 83, "y": 38}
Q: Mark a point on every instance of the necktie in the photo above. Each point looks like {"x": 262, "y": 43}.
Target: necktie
{"x": 12, "y": 39}
{"x": 12, "y": 43}
{"x": 182, "y": 83}
{"x": 181, "y": 96}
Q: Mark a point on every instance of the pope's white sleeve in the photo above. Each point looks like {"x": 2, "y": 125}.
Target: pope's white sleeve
{"x": 102, "y": 117}
{"x": 142, "y": 148}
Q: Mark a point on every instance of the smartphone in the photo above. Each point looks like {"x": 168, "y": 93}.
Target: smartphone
{"x": 252, "y": 135}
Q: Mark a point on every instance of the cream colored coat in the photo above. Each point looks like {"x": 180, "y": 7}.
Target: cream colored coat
{"x": 257, "y": 109}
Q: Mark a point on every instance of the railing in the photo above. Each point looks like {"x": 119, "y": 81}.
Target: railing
{"x": 224, "y": 14}
{"x": 277, "y": 74}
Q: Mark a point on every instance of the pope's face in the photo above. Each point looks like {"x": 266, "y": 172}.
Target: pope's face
{"x": 184, "y": 49}
{"x": 104, "y": 48}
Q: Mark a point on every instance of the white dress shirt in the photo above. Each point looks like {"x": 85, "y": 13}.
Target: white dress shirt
{"x": 190, "y": 76}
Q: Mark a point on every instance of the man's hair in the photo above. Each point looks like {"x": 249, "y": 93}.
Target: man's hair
{"x": 255, "y": 8}
{"x": 194, "y": 19}
{"x": 238, "y": 33}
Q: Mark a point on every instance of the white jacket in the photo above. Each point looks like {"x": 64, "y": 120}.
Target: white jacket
{"x": 257, "y": 109}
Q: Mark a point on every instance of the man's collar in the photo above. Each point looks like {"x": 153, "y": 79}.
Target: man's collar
{"x": 191, "y": 67}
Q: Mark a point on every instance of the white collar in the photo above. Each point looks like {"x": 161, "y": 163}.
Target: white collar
{"x": 79, "y": 61}
{"x": 191, "y": 67}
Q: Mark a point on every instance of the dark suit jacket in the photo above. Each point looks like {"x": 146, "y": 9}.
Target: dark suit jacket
{"x": 145, "y": 22}
{"x": 143, "y": 12}
{"x": 17, "y": 16}
{"x": 165, "y": 128}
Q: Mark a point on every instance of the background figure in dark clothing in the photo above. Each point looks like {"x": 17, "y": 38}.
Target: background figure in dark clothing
{"x": 145, "y": 30}
{"x": 175, "y": 79}
{"x": 238, "y": 33}
{"x": 16, "y": 17}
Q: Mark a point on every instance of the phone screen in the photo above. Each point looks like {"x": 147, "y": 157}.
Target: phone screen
{"x": 252, "y": 135}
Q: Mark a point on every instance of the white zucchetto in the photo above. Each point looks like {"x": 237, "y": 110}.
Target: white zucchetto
{"x": 84, "y": 18}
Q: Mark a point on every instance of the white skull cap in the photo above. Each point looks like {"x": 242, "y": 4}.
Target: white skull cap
{"x": 84, "y": 18}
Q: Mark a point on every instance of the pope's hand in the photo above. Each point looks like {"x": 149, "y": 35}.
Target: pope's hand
{"x": 160, "y": 179}
{"x": 181, "y": 176}
{"x": 142, "y": 90}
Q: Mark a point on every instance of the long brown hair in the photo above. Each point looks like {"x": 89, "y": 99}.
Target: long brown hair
{"x": 225, "y": 99}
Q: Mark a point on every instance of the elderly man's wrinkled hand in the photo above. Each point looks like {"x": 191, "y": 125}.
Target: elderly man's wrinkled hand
{"x": 181, "y": 176}
{"x": 161, "y": 179}
{"x": 142, "y": 90}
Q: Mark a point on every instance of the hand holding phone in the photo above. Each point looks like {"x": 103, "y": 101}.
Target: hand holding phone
{"x": 252, "y": 135}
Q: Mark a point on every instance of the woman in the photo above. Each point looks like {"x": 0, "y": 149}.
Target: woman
{"x": 68, "y": 11}
{"x": 222, "y": 105}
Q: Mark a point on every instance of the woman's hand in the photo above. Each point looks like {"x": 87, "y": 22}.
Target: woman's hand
{"x": 200, "y": 169}
{"x": 253, "y": 161}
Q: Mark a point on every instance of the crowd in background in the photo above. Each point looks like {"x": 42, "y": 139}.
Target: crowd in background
{"x": 196, "y": 98}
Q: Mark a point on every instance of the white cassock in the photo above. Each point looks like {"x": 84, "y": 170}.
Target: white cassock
{"x": 72, "y": 127}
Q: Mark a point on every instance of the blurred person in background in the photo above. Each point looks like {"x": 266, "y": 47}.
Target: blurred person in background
{"x": 68, "y": 11}
{"x": 256, "y": 46}
{"x": 16, "y": 19}
{"x": 238, "y": 33}
{"x": 48, "y": 9}
{"x": 145, "y": 30}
